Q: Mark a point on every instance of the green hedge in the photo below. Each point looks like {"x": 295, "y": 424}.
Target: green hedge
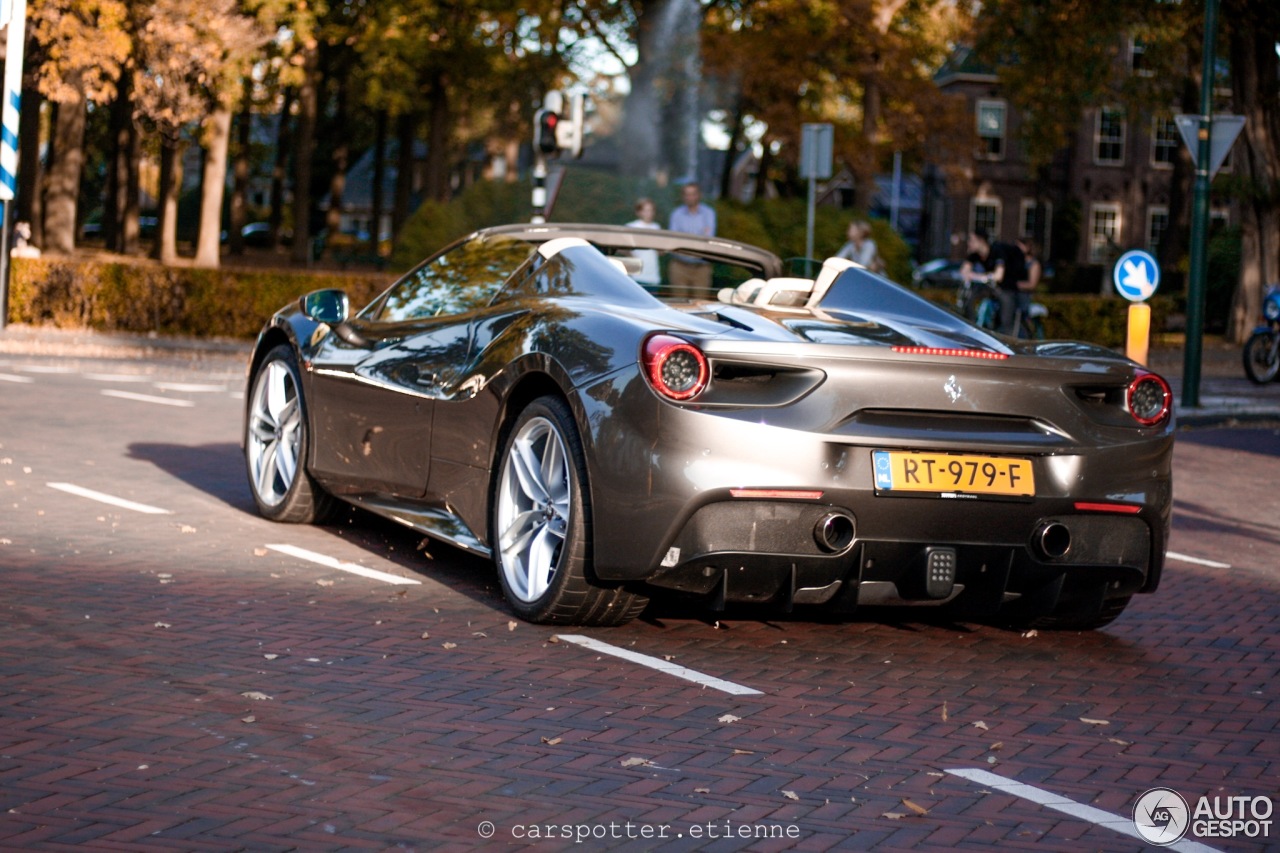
{"x": 139, "y": 296}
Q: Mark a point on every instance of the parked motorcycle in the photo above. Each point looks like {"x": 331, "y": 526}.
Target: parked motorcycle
{"x": 1262, "y": 350}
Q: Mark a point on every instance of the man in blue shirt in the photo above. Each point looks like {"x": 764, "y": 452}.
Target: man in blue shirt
{"x": 687, "y": 275}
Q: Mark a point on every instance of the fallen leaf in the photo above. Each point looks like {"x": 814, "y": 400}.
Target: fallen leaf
{"x": 944, "y": 712}
{"x": 323, "y": 582}
{"x": 636, "y": 762}
{"x": 256, "y": 695}
{"x": 1032, "y": 633}
{"x": 249, "y": 719}
{"x": 260, "y": 552}
{"x": 164, "y": 575}
{"x": 991, "y": 759}
{"x": 6, "y": 541}
{"x": 791, "y": 795}
{"x": 479, "y": 634}
{"x": 1121, "y": 742}
{"x": 1095, "y": 722}
{"x": 511, "y": 626}
{"x": 997, "y": 746}
{"x": 187, "y": 528}
{"x": 939, "y": 775}
{"x": 702, "y": 790}
{"x": 551, "y": 741}
{"x": 729, "y": 718}
{"x": 401, "y": 593}
{"x": 920, "y": 810}
{"x": 981, "y": 725}
{"x": 743, "y": 752}
{"x": 163, "y": 625}
{"x": 448, "y": 645}
{"x": 893, "y": 815}
{"x": 668, "y": 657}
{"x": 271, "y": 657}
{"x": 554, "y": 638}
{"x": 426, "y": 635}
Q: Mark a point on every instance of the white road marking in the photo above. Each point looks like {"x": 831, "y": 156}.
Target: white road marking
{"x": 9, "y": 377}
{"x": 147, "y": 398}
{"x": 331, "y": 563}
{"x": 45, "y": 368}
{"x": 1057, "y": 802}
{"x": 1198, "y": 561}
{"x": 189, "y": 388}
{"x": 107, "y": 499}
{"x": 116, "y": 377}
{"x": 661, "y": 665}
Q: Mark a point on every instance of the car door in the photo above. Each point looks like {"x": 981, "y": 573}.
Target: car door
{"x": 378, "y": 389}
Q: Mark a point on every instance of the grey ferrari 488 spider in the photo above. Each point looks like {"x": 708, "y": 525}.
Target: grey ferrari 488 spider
{"x": 834, "y": 442}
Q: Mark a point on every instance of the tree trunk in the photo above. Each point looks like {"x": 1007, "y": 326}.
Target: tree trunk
{"x": 438, "y": 133}
{"x": 240, "y": 174}
{"x": 129, "y": 225}
{"x": 341, "y": 158}
{"x": 284, "y": 144}
{"x": 118, "y": 164}
{"x": 165, "y": 249}
{"x": 213, "y": 183}
{"x": 29, "y": 203}
{"x": 731, "y": 155}
{"x": 1253, "y": 30}
{"x": 63, "y": 184}
{"x": 406, "y": 135}
{"x": 304, "y": 149}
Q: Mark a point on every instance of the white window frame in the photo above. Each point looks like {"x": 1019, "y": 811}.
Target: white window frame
{"x": 1154, "y": 211}
{"x": 1098, "y": 247}
{"x": 1026, "y": 211}
{"x": 1098, "y": 141}
{"x": 1138, "y": 49}
{"x": 992, "y": 103}
{"x": 1173, "y": 141}
{"x": 987, "y": 202}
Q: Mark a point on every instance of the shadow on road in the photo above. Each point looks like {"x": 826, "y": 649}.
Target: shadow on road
{"x": 215, "y": 469}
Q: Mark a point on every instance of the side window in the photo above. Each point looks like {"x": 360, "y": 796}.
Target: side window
{"x": 463, "y": 279}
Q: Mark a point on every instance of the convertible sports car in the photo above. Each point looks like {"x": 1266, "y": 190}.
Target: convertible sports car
{"x": 836, "y": 442}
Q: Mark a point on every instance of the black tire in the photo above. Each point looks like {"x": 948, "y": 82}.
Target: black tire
{"x": 276, "y": 444}
{"x": 1262, "y": 357}
{"x": 540, "y": 524}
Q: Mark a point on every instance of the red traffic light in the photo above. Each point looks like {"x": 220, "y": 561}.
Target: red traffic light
{"x": 544, "y": 132}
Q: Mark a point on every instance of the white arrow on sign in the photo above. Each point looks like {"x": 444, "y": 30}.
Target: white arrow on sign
{"x": 1223, "y": 131}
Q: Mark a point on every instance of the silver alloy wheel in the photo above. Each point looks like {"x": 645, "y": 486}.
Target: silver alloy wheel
{"x": 275, "y": 433}
{"x": 534, "y": 499}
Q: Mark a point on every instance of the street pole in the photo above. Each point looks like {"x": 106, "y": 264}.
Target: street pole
{"x": 1200, "y": 217}
{"x": 15, "y": 14}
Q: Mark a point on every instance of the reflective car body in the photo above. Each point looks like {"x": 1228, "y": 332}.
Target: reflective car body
{"x": 790, "y": 442}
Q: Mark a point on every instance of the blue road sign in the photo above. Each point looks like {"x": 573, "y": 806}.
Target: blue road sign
{"x": 1136, "y": 275}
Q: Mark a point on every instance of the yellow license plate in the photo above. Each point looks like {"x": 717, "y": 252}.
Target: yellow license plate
{"x": 953, "y": 473}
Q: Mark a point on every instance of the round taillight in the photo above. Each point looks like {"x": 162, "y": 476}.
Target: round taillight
{"x": 675, "y": 368}
{"x": 1149, "y": 399}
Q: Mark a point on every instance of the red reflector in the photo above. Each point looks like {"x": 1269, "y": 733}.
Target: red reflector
{"x": 1129, "y": 509}
{"x": 784, "y": 494}
{"x": 959, "y": 353}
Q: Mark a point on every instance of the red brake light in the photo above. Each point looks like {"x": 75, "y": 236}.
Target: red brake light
{"x": 959, "y": 353}
{"x": 675, "y": 368}
{"x": 1149, "y": 399}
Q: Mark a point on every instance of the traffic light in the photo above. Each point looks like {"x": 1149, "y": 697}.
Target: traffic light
{"x": 545, "y": 126}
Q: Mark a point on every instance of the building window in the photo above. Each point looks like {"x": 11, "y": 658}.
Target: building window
{"x": 991, "y": 123}
{"x": 1108, "y": 138}
{"x": 1165, "y": 140}
{"x": 1157, "y": 225}
{"x": 1138, "y": 58}
{"x": 1104, "y": 232}
{"x": 1219, "y": 218}
{"x": 986, "y": 215}
{"x": 1027, "y": 223}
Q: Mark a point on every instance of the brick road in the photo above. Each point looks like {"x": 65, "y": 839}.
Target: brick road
{"x": 405, "y": 716}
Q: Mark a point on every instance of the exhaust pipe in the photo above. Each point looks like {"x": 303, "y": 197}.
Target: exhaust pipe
{"x": 834, "y": 532}
{"x": 1052, "y": 540}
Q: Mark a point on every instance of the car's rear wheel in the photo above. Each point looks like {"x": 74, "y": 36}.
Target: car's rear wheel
{"x": 541, "y": 525}
{"x": 275, "y": 444}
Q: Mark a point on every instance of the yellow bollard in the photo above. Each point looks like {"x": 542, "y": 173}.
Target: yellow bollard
{"x": 1139, "y": 332}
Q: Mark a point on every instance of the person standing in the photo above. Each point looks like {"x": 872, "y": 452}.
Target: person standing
{"x": 649, "y": 274}
{"x": 690, "y": 276}
{"x": 1006, "y": 268}
{"x": 860, "y": 248}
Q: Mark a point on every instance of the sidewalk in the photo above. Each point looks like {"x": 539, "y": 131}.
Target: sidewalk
{"x": 1226, "y": 394}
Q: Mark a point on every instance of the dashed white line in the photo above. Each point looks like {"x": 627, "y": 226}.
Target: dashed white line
{"x": 1196, "y": 561}
{"x": 147, "y": 398}
{"x": 116, "y": 377}
{"x": 107, "y": 499}
{"x": 1057, "y": 802}
{"x": 189, "y": 387}
{"x": 9, "y": 377}
{"x": 45, "y": 368}
{"x": 661, "y": 665}
{"x": 331, "y": 563}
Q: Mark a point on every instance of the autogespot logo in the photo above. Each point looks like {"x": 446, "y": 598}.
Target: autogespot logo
{"x": 1161, "y": 816}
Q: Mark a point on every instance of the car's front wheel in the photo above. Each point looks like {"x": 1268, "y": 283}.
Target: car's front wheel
{"x": 275, "y": 444}
{"x": 541, "y": 525}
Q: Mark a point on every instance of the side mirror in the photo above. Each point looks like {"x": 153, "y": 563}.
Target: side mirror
{"x": 326, "y": 306}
